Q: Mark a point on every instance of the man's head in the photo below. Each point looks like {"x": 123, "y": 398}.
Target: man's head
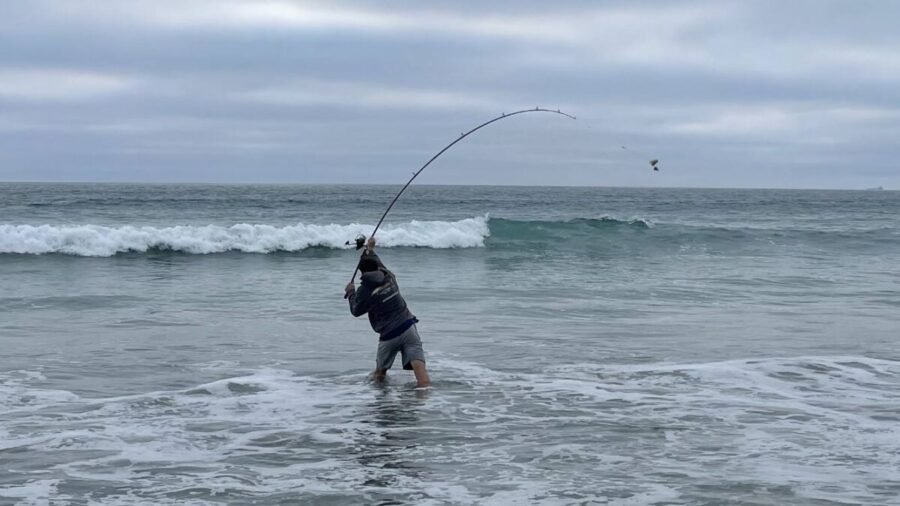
{"x": 367, "y": 264}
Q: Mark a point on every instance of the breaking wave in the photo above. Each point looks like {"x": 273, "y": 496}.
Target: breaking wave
{"x": 634, "y": 234}
{"x": 100, "y": 241}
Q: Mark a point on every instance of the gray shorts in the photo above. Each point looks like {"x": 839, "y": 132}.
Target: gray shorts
{"x": 407, "y": 343}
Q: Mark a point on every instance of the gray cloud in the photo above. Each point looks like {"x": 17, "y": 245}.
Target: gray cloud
{"x": 726, "y": 93}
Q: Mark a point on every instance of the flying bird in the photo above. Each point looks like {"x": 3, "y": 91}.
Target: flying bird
{"x": 653, "y": 163}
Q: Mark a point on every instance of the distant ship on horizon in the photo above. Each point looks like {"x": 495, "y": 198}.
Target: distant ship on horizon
{"x": 877, "y": 188}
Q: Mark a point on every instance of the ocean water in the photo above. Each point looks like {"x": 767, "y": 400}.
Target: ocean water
{"x": 189, "y": 344}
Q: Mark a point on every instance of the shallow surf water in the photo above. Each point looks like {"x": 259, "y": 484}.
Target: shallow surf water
{"x": 805, "y": 430}
{"x": 189, "y": 345}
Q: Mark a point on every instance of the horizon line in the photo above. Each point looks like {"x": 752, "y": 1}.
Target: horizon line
{"x": 289, "y": 183}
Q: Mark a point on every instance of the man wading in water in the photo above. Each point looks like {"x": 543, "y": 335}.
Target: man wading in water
{"x": 379, "y": 296}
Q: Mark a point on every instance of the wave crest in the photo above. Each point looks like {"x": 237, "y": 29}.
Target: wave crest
{"x": 96, "y": 240}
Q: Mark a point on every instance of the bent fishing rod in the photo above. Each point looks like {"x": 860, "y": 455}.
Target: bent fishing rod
{"x": 360, "y": 241}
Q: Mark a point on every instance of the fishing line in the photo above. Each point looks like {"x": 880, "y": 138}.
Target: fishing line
{"x": 360, "y": 241}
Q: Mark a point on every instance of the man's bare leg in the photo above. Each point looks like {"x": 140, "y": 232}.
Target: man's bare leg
{"x": 379, "y": 375}
{"x": 421, "y": 372}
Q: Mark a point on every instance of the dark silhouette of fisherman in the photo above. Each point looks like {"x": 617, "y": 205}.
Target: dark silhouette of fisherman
{"x": 379, "y": 297}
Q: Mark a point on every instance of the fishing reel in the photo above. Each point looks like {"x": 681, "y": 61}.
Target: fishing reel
{"x": 360, "y": 242}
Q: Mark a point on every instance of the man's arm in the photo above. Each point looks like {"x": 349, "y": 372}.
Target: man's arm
{"x": 370, "y": 253}
{"x": 360, "y": 300}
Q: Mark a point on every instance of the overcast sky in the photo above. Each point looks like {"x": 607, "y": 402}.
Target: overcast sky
{"x": 734, "y": 94}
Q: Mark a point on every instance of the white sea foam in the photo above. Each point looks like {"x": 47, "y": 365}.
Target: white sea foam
{"x": 34, "y": 493}
{"x": 97, "y": 240}
{"x": 798, "y": 430}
